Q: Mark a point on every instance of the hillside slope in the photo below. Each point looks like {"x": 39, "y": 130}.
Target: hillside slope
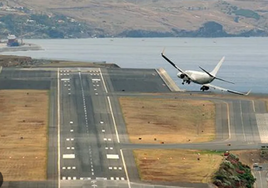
{"x": 159, "y": 17}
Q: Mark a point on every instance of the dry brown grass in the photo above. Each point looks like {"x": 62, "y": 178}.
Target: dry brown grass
{"x": 168, "y": 120}
{"x": 266, "y": 101}
{"x": 177, "y": 165}
{"x": 23, "y": 115}
{"x": 117, "y": 16}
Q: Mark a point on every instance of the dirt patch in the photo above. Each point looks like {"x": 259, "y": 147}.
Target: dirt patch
{"x": 158, "y": 120}
{"x": 177, "y": 165}
{"x": 11, "y": 61}
{"x": 249, "y": 157}
{"x": 23, "y": 137}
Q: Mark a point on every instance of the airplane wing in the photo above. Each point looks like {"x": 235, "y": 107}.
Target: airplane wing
{"x": 173, "y": 64}
{"x": 226, "y": 90}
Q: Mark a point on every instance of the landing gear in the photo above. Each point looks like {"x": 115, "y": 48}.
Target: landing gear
{"x": 204, "y": 88}
{"x": 187, "y": 81}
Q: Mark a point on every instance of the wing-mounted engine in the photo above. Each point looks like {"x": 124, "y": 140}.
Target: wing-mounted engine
{"x": 181, "y": 75}
{"x": 204, "y": 88}
{"x": 184, "y": 77}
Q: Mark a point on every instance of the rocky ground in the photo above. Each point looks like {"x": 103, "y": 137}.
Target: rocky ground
{"x": 24, "y": 61}
{"x": 19, "y": 61}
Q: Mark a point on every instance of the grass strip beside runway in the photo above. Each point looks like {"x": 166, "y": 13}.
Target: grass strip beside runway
{"x": 168, "y": 120}
{"x": 177, "y": 165}
{"x": 23, "y": 136}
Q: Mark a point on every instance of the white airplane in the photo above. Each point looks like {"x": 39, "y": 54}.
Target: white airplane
{"x": 202, "y": 78}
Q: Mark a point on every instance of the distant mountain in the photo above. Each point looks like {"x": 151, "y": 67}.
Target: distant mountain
{"x": 134, "y": 18}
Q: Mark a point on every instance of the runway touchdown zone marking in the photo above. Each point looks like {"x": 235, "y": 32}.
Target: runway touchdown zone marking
{"x": 112, "y": 156}
{"x": 68, "y": 156}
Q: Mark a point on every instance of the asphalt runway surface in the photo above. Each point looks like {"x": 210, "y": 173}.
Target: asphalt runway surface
{"x": 88, "y": 143}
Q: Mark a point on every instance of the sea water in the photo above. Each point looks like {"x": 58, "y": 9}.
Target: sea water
{"x": 246, "y": 59}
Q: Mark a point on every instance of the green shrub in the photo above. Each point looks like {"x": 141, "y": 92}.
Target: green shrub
{"x": 247, "y": 13}
{"x": 232, "y": 173}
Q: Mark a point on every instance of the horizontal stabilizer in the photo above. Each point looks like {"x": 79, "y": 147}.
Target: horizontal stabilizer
{"x": 224, "y": 80}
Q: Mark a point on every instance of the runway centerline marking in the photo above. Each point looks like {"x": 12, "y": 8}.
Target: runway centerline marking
{"x": 83, "y": 97}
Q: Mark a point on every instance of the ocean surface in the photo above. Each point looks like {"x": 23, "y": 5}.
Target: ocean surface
{"x": 246, "y": 59}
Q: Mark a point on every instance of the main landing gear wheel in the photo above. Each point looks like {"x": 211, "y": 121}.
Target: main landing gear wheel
{"x": 204, "y": 88}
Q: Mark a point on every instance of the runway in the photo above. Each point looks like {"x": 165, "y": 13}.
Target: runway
{"x": 88, "y": 141}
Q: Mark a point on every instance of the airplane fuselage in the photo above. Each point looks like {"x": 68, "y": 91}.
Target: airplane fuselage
{"x": 198, "y": 77}
{"x": 202, "y": 78}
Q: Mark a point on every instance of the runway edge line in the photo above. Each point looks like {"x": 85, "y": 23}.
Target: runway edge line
{"x": 58, "y": 97}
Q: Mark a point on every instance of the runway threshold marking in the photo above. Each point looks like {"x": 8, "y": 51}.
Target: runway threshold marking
{"x": 58, "y": 104}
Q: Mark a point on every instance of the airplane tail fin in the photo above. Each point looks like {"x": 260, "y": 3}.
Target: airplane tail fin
{"x": 216, "y": 69}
